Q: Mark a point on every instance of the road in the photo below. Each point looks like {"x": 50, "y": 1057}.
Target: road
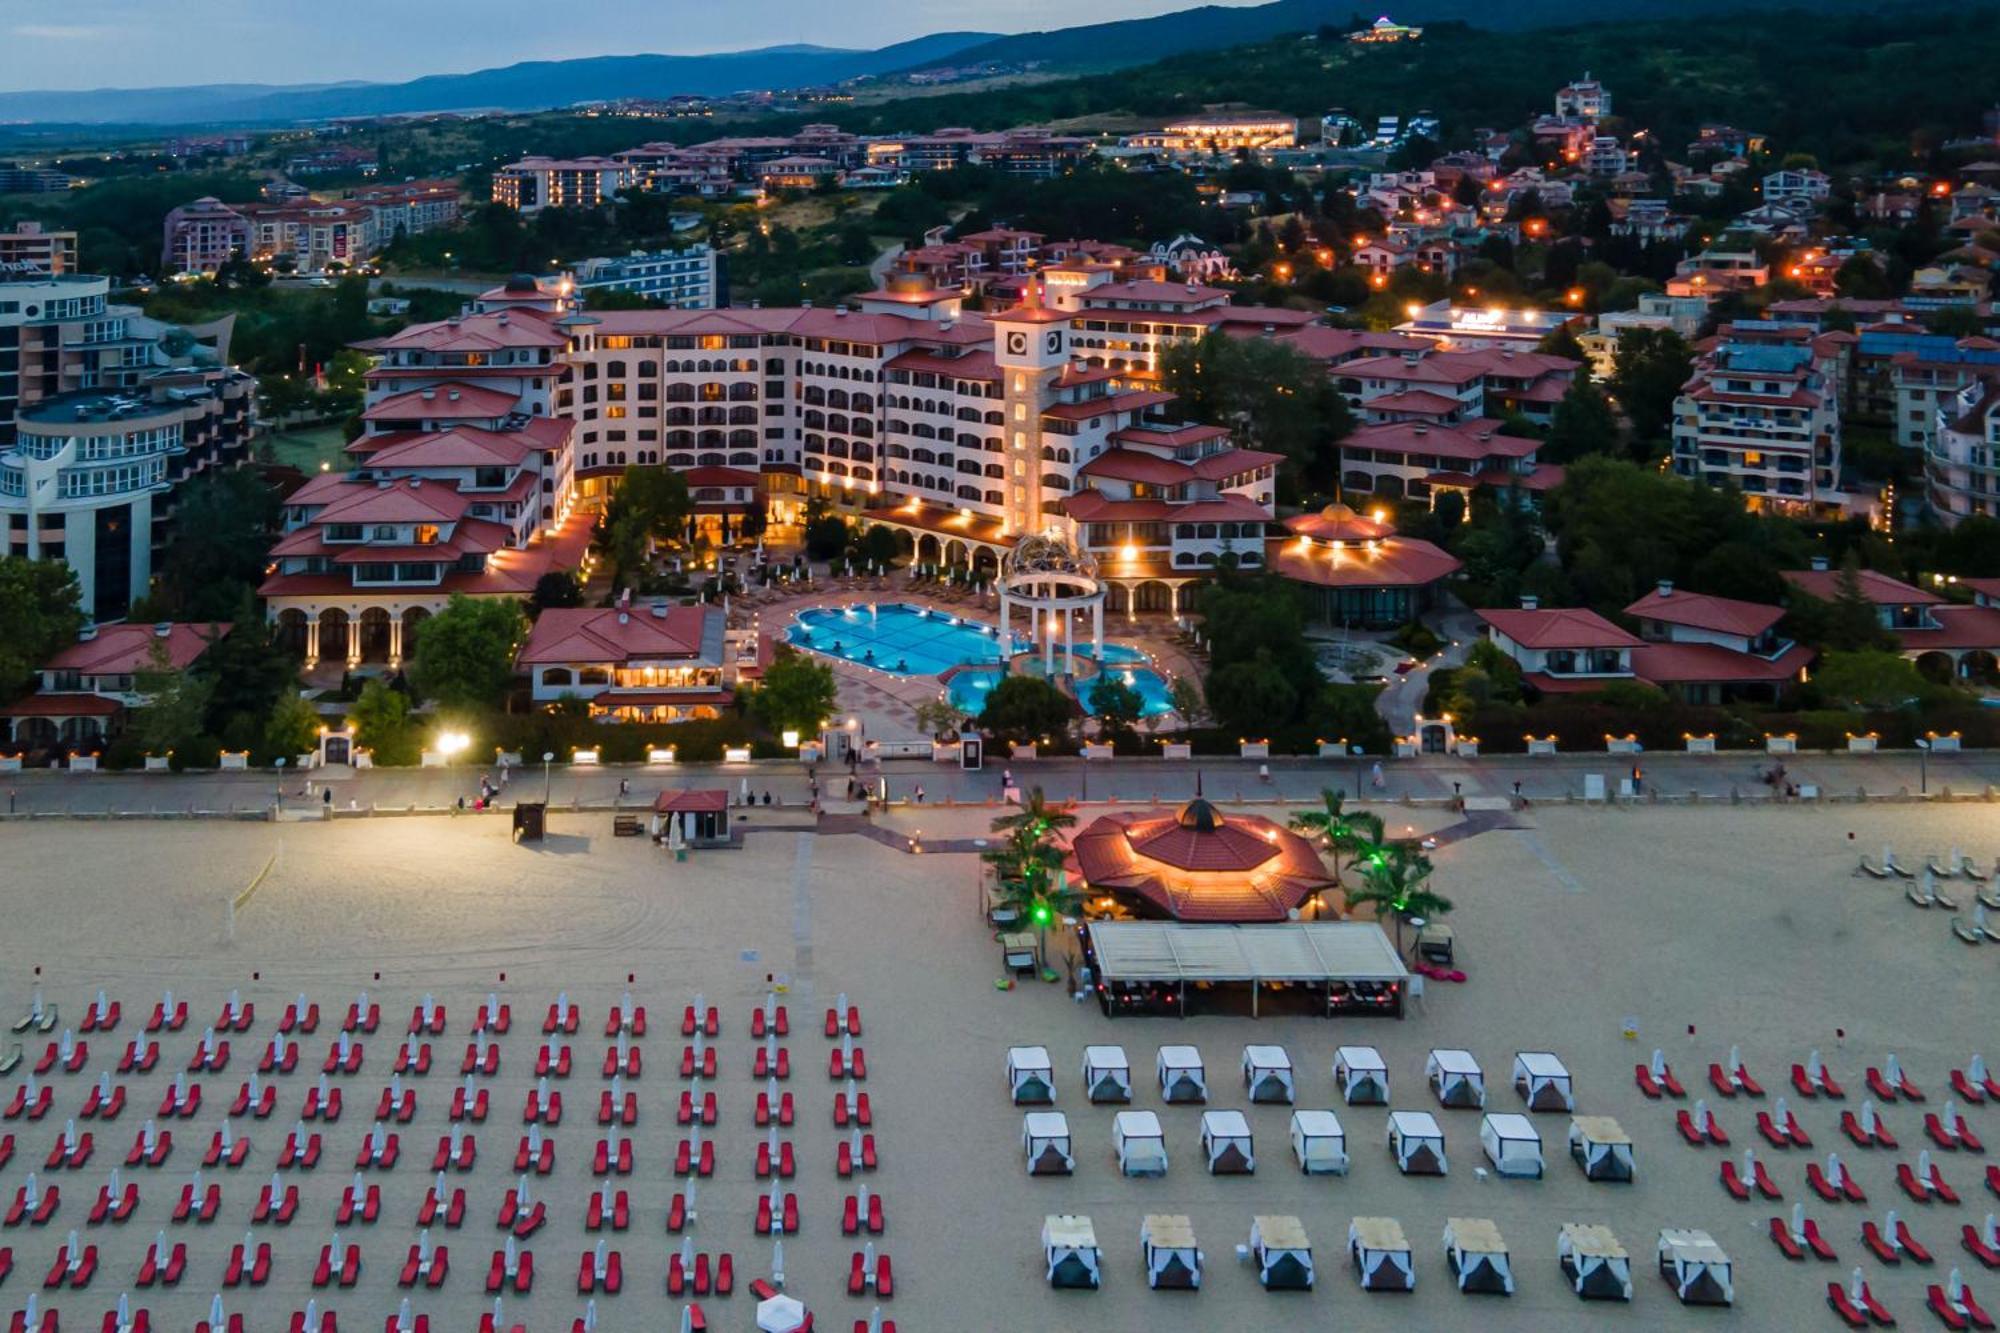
{"x": 1431, "y": 777}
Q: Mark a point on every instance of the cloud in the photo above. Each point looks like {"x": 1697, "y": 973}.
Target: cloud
{"x": 61, "y": 32}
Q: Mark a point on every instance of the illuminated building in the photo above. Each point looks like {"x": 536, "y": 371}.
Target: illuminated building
{"x": 1197, "y": 864}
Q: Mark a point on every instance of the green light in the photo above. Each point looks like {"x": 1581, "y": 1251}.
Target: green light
{"x": 1041, "y": 914}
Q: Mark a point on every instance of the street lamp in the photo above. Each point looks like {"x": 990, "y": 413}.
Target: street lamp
{"x": 547, "y": 756}
{"x": 278, "y": 796}
{"x": 451, "y": 744}
{"x": 1923, "y": 766}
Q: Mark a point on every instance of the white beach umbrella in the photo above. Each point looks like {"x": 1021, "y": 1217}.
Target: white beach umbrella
{"x": 780, "y": 1314}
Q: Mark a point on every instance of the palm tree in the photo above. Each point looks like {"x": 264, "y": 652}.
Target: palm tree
{"x": 1346, "y": 831}
{"x": 1033, "y": 884}
{"x": 1036, "y": 814}
{"x": 1395, "y": 879}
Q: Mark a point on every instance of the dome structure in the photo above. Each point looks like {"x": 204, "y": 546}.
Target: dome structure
{"x": 1338, "y": 523}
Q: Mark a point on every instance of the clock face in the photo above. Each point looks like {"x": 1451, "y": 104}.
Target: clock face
{"x": 1017, "y": 344}
{"x": 1053, "y": 341}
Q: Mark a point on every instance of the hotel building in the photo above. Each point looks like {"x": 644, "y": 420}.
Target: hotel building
{"x": 689, "y": 279}
{"x": 103, "y": 411}
{"x": 1763, "y": 414}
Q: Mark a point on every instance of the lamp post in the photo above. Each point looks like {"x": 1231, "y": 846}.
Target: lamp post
{"x": 278, "y": 794}
{"x": 1923, "y": 766}
{"x": 547, "y": 757}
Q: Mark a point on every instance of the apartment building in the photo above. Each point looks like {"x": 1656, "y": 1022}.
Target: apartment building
{"x": 1449, "y": 387}
{"x": 103, "y": 412}
{"x": 1962, "y": 457}
{"x": 409, "y": 208}
{"x": 1926, "y": 383}
{"x": 1796, "y": 186}
{"x": 1418, "y": 459}
{"x": 687, "y": 279}
{"x": 1220, "y": 132}
{"x": 30, "y": 245}
{"x": 535, "y": 183}
{"x": 1586, "y": 99}
{"x": 1762, "y": 414}
{"x": 313, "y": 235}
{"x": 202, "y": 236}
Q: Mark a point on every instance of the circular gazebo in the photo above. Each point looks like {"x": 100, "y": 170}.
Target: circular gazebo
{"x": 1052, "y": 579}
{"x": 1197, "y": 864}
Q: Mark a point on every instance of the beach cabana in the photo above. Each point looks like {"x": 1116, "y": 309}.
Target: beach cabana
{"x": 1069, "y": 1248}
{"x": 1417, "y": 1144}
{"x": 1595, "y": 1263}
{"x": 702, "y": 815}
{"x": 1282, "y": 1253}
{"x": 1142, "y": 1144}
{"x": 1511, "y": 1144}
{"x": 1696, "y": 1268}
{"x": 1166, "y": 1243}
{"x": 1381, "y": 1254}
{"x": 1456, "y": 1079}
{"x": 1030, "y": 1076}
{"x": 1543, "y": 1081}
{"x": 1267, "y": 1074}
{"x": 1182, "y": 1078}
{"x": 1601, "y": 1147}
{"x": 1045, "y": 1140}
{"x": 1362, "y": 1075}
{"x": 1107, "y": 1074}
{"x": 1226, "y": 1143}
{"x": 1319, "y": 1142}
{"x": 1478, "y": 1256}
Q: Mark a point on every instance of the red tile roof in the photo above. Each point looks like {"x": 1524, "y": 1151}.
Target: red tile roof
{"x": 1399, "y": 562}
{"x": 691, "y": 801}
{"x": 606, "y": 634}
{"x": 121, "y": 650}
{"x": 1724, "y": 615}
{"x": 1338, "y": 523}
{"x": 1095, "y": 507}
{"x": 1559, "y": 627}
{"x": 1711, "y": 663}
{"x": 1199, "y": 865}
{"x": 447, "y": 399}
{"x": 1958, "y": 627}
{"x": 62, "y": 705}
{"x": 1877, "y": 588}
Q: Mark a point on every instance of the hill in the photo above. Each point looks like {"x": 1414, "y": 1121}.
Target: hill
{"x": 528, "y": 85}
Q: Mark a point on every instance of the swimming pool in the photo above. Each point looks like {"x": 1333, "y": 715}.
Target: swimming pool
{"x": 968, "y": 689}
{"x": 900, "y": 639}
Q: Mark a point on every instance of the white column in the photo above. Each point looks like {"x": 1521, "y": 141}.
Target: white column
{"x": 1097, "y": 629}
{"x": 1069, "y": 641}
{"x": 353, "y": 637}
{"x": 1048, "y": 632}
{"x": 1174, "y": 598}
{"x": 312, "y": 639}
{"x": 395, "y": 639}
{"x": 1005, "y": 609}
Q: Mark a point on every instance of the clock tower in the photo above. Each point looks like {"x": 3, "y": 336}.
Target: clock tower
{"x": 1031, "y": 347}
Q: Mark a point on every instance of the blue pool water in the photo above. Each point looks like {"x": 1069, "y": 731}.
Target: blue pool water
{"x": 968, "y": 689}
{"x": 903, "y": 640}
{"x": 911, "y": 641}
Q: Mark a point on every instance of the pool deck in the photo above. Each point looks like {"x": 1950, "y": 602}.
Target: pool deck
{"x": 887, "y": 702}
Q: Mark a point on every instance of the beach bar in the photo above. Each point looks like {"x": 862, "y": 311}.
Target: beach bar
{"x": 1176, "y": 968}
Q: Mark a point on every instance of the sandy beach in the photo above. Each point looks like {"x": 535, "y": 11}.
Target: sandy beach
{"x": 1749, "y": 925}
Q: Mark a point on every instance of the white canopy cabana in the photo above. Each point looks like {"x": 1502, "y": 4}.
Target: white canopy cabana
{"x": 1045, "y": 1140}
{"x": 1595, "y": 1263}
{"x": 1226, "y": 1143}
{"x": 1381, "y": 1254}
{"x": 1511, "y": 1144}
{"x": 1267, "y": 1074}
{"x": 1478, "y": 1256}
{"x": 1107, "y": 1074}
{"x": 1142, "y": 1144}
{"x": 1417, "y": 1144}
{"x": 1182, "y": 1078}
{"x": 1350, "y": 959}
{"x": 1282, "y": 1253}
{"x": 1601, "y": 1147}
{"x": 1069, "y": 1249}
{"x": 1362, "y": 1075}
{"x": 1696, "y": 1268}
{"x": 1456, "y": 1078}
{"x": 1166, "y": 1243}
{"x": 1543, "y": 1081}
{"x": 1030, "y": 1076}
{"x": 1319, "y": 1142}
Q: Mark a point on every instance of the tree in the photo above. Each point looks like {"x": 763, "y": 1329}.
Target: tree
{"x": 1583, "y": 424}
{"x": 1187, "y": 700}
{"x": 1395, "y": 879}
{"x": 1116, "y": 705}
{"x": 248, "y": 672}
{"x": 1269, "y": 395}
{"x": 1561, "y": 341}
{"x": 1344, "y": 831}
{"x": 39, "y": 616}
{"x": 1036, "y": 816}
{"x": 175, "y": 702}
{"x": 293, "y": 727}
{"x": 936, "y": 717}
{"x": 1248, "y": 697}
{"x": 1869, "y": 678}
{"x": 1649, "y": 367}
{"x": 797, "y": 694}
{"x": 1030, "y": 881}
{"x": 825, "y": 531}
{"x": 1024, "y": 709}
{"x": 558, "y": 587}
{"x": 657, "y": 497}
{"x": 464, "y": 654}
{"x": 382, "y": 724}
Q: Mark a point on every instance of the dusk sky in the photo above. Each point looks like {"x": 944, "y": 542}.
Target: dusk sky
{"x": 149, "y": 43}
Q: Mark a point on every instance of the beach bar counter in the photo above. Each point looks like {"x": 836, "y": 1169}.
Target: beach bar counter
{"x": 1175, "y": 968}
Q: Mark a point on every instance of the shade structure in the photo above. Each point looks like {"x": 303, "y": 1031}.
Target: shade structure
{"x": 1478, "y": 1256}
{"x": 1696, "y": 1267}
{"x": 780, "y": 1314}
{"x": 1381, "y": 1254}
{"x": 1601, "y": 1147}
{"x": 1069, "y": 1249}
{"x": 1305, "y": 951}
{"x": 1197, "y": 864}
{"x": 1283, "y": 1254}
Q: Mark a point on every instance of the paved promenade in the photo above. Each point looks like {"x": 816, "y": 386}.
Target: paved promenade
{"x": 1675, "y": 776}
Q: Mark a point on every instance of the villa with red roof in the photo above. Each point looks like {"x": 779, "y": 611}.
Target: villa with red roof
{"x": 1416, "y": 459}
{"x": 84, "y": 692}
{"x": 1713, "y": 650}
{"x": 1946, "y": 639}
{"x": 654, "y": 663}
{"x": 1562, "y": 650}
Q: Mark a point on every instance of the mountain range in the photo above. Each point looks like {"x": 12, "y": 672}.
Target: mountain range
{"x": 541, "y": 84}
